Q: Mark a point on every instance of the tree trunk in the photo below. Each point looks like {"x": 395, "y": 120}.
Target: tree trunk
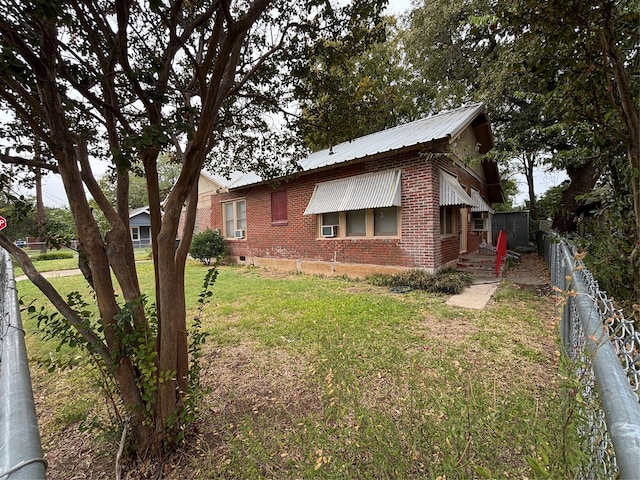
{"x": 623, "y": 98}
{"x": 583, "y": 179}
{"x": 529, "y": 161}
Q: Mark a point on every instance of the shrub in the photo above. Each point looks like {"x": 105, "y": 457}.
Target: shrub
{"x": 53, "y": 256}
{"x": 208, "y": 245}
{"x": 451, "y": 281}
{"x": 448, "y": 280}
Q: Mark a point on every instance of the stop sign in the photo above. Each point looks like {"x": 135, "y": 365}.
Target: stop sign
{"x": 3, "y": 223}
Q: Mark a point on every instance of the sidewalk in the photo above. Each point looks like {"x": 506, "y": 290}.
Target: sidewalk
{"x": 475, "y": 297}
{"x": 54, "y": 274}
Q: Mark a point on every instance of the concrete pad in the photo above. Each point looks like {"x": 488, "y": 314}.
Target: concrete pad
{"x": 475, "y": 296}
{"x": 54, "y": 274}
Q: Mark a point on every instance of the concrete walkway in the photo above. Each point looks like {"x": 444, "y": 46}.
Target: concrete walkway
{"x": 530, "y": 270}
{"x": 475, "y": 296}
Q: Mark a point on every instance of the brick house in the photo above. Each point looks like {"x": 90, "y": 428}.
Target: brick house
{"x": 414, "y": 196}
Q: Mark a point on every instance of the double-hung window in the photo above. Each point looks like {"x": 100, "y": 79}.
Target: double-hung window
{"x": 367, "y": 223}
{"x": 235, "y": 218}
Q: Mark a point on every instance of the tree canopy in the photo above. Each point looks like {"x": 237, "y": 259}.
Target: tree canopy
{"x": 124, "y": 82}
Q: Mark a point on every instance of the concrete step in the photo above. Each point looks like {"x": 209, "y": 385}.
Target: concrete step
{"x": 481, "y": 267}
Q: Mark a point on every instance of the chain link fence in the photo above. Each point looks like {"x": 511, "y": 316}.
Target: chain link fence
{"x": 20, "y": 448}
{"x": 604, "y": 347}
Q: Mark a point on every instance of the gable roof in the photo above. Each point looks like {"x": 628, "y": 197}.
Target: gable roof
{"x": 444, "y": 126}
{"x": 137, "y": 211}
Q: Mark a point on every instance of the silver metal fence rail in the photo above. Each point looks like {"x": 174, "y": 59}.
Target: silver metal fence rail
{"x": 20, "y": 448}
{"x": 606, "y": 350}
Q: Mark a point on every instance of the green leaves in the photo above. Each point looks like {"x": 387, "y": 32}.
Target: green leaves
{"x": 208, "y": 245}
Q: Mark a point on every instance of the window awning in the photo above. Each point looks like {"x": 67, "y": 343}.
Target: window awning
{"x": 480, "y": 204}
{"x": 371, "y": 190}
{"x": 452, "y": 193}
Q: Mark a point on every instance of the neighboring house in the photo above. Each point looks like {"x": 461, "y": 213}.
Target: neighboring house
{"x": 208, "y": 185}
{"x": 140, "y": 225}
{"x": 414, "y": 196}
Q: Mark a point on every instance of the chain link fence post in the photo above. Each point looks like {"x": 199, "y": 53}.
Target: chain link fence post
{"x": 606, "y": 350}
{"x": 20, "y": 449}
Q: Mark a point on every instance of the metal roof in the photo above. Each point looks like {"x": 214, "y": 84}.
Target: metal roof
{"x": 451, "y": 192}
{"x": 442, "y": 126}
{"x": 371, "y": 190}
{"x": 478, "y": 201}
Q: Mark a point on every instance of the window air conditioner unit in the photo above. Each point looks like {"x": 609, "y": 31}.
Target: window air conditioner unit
{"x": 239, "y": 233}
{"x": 480, "y": 224}
{"x": 329, "y": 230}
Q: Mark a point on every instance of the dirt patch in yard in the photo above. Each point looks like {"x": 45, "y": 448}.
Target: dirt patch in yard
{"x": 241, "y": 380}
{"x": 530, "y": 270}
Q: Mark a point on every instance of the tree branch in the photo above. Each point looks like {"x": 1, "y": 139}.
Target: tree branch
{"x": 58, "y": 302}
{"x": 10, "y": 160}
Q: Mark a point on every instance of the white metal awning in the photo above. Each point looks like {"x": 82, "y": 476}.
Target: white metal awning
{"x": 452, "y": 193}
{"x": 371, "y": 190}
{"x": 479, "y": 204}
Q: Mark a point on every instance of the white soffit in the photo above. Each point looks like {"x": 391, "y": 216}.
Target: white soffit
{"x": 452, "y": 193}
{"x": 371, "y": 190}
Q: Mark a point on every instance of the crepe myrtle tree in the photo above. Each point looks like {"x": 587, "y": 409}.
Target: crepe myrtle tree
{"x": 123, "y": 82}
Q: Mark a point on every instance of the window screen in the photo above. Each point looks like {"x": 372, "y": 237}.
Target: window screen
{"x": 332, "y": 218}
{"x": 356, "y": 223}
{"x": 385, "y": 221}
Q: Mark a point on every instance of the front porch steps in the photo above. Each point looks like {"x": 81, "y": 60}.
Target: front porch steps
{"x": 482, "y": 267}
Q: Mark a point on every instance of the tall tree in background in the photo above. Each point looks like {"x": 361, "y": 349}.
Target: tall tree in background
{"x": 354, "y": 95}
{"x": 588, "y": 79}
{"x": 124, "y": 81}
{"x": 168, "y": 172}
{"x": 449, "y": 45}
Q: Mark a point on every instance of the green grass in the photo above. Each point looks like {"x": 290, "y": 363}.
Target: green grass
{"x": 328, "y": 378}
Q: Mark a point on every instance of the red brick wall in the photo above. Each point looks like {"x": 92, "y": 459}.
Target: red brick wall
{"x": 418, "y": 246}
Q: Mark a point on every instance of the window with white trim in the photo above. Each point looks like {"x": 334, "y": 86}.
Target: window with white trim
{"x": 234, "y": 217}
{"x": 135, "y": 233}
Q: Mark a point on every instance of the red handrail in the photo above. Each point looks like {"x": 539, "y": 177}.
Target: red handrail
{"x": 501, "y": 250}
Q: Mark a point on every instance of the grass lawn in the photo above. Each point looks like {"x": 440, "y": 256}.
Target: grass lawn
{"x": 66, "y": 263}
{"x": 312, "y": 377}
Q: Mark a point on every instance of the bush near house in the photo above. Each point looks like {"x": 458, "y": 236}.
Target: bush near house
{"x": 208, "y": 245}
{"x": 447, "y": 280}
